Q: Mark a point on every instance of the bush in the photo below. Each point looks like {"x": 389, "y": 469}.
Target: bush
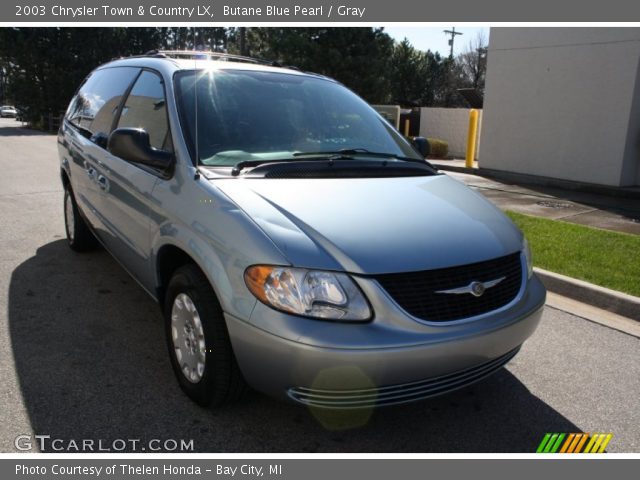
{"x": 439, "y": 147}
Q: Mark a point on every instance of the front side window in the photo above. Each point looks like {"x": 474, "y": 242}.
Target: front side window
{"x": 146, "y": 108}
{"x": 234, "y": 115}
{"x": 94, "y": 107}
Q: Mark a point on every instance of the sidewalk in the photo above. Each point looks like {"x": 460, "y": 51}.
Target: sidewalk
{"x": 617, "y": 210}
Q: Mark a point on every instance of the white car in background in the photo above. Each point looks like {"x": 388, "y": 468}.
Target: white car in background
{"x": 8, "y": 111}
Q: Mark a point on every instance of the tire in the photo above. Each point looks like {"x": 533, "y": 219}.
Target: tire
{"x": 208, "y": 373}
{"x": 79, "y": 236}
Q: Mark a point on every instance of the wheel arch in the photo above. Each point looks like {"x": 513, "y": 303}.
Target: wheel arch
{"x": 168, "y": 259}
{"x": 64, "y": 177}
{"x": 224, "y": 272}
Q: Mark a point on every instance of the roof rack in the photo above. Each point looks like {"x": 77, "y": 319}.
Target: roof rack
{"x": 209, "y": 55}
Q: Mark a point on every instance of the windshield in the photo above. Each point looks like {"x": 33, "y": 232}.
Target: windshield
{"x": 251, "y": 115}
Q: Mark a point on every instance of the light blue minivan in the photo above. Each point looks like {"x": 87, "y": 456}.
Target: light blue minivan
{"x": 297, "y": 243}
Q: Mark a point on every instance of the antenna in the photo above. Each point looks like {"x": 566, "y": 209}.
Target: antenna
{"x": 453, "y": 34}
{"x": 195, "y": 110}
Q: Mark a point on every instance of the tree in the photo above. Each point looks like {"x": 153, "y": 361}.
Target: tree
{"x": 417, "y": 78}
{"x": 357, "y": 57}
{"x": 42, "y": 67}
{"x": 473, "y": 62}
{"x": 407, "y": 74}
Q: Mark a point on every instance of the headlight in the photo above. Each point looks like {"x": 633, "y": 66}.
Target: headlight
{"x": 310, "y": 293}
{"x": 528, "y": 258}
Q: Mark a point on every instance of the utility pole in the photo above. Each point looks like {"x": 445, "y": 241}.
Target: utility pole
{"x": 453, "y": 34}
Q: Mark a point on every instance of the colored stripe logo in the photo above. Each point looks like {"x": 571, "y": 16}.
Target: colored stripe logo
{"x": 574, "y": 443}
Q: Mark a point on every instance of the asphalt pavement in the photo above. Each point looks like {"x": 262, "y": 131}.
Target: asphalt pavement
{"x": 82, "y": 356}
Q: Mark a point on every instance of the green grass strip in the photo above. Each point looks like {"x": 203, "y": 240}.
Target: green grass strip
{"x": 603, "y": 257}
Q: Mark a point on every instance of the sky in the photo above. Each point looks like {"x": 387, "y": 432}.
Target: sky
{"x": 434, "y": 39}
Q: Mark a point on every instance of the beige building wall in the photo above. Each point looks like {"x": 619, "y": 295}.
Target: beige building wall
{"x": 452, "y": 125}
{"x": 564, "y": 103}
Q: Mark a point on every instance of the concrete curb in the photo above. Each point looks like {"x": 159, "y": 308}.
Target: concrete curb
{"x": 611, "y": 300}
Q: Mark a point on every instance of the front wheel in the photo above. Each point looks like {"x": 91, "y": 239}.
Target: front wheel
{"x": 79, "y": 236}
{"x": 198, "y": 340}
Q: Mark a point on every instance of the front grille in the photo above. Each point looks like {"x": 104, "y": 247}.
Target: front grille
{"x": 398, "y": 394}
{"x": 416, "y": 293}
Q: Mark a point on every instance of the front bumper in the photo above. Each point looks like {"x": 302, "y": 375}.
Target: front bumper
{"x": 385, "y": 362}
{"x": 397, "y": 394}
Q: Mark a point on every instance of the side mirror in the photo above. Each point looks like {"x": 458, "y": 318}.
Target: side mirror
{"x": 133, "y": 145}
{"x": 421, "y": 144}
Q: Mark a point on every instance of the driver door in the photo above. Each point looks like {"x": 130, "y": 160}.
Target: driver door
{"x": 128, "y": 187}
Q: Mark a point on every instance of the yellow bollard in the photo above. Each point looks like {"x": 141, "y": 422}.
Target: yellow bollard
{"x": 406, "y": 127}
{"x": 471, "y": 138}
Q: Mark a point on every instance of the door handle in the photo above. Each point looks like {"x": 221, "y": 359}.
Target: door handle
{"x": 89, "y": 170}
{"x": 103, "y": 182}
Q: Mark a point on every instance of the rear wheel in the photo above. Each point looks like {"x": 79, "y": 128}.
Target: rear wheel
{"x": 198, "y": 340}
{"x": 79, "y": 236}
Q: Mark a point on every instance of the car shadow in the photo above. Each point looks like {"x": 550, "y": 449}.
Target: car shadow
{"x": 91, "y": 361}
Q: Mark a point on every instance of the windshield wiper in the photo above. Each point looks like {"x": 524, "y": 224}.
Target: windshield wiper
{"x": 330, "y": 155}
{"x": 238, "y": 167}
{"x": 361, "y": 151}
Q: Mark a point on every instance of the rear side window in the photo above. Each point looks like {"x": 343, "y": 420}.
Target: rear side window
{"x": 146, "y": 108}
{"x": 96, "y": 104}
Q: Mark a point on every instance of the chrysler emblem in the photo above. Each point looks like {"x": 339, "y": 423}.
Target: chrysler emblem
{"x": 475, "y": 288}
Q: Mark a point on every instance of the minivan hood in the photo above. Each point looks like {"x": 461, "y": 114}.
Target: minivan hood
{"x": 375, "y": 225}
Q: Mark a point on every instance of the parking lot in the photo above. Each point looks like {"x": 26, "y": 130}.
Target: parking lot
{"x": 82, "y": 356}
